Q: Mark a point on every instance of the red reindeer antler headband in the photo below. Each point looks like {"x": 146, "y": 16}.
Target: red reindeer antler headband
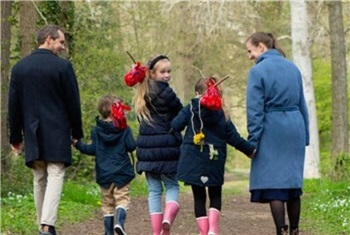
{"x": 211, "y": 99}
{"x": 118, "y": 114}
{"x": 136, "y": 74}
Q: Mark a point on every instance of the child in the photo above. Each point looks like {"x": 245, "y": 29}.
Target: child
{"x": 112, "y": 139}
{"x": 203, "y": 153}
{"x": 158, "y": 150}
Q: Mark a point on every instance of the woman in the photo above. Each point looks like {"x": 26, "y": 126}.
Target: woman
{"x": 278, "y": 128}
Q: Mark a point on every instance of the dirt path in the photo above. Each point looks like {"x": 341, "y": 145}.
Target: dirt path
{"x": 239, "y": 217}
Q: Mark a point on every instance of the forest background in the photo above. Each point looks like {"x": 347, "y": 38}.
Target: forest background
{"x": 202, "y": 38}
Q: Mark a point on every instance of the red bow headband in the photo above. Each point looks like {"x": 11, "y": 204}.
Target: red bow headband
{"x": 118, "y": 114}
{"x": 212, "y": 97}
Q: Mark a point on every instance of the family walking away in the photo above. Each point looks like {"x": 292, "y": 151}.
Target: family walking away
{"x": 204, "y": 149}
{"x": 44, "y": 113}
{"x": 158, "y": 149}
{"x": 111, "y": 141}
{"x": 45, "y": 119}
{"x": 278, "y": 127}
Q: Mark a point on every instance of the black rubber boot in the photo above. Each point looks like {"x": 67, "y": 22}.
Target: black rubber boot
{"x": 108, "y": 222}
{"x": 120, "y": 220}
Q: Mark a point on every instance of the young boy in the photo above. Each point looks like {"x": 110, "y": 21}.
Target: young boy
{"x": 111, "y": 140}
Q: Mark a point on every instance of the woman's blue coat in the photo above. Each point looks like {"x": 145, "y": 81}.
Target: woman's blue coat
{"x": 158, "y": 149}
{"x": 110, "y": 146}
{"x": 278, "y": 123}
{"x": 195, "y": 166}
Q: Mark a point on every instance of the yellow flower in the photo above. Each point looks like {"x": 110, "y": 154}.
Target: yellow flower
{"x": 198, "y": 138}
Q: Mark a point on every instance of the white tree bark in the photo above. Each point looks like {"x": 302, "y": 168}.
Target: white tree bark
{"x": 301, "y": 57}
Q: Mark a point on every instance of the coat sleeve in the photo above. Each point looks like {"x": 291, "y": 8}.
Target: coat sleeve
{"x": 304, "y": 113}
{"x": 130, "y": 142}
{"x": 179, "y": 123}
{"x": 234, "y": 139}
{"x": 72, "y": 101}
{"x": 15, "y": 116}
{"x": 89, "y": 149}
{"x": 255, "y": 107}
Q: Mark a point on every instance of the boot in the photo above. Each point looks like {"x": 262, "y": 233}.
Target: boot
{"x": 108, "y": 224}
{"x": 203, "y": 225}
{"x": 156, "y": 222}
{"x": 170, "y": 212}
{"x": 282, "y": 230}
{"x": 120, "y": 220}
{"x": 214, "y": 221}
{"x": 294, "y": 231}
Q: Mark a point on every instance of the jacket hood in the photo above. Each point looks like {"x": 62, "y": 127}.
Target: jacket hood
{"x": 107, "y": 132}
{"x": 207, "y": 116}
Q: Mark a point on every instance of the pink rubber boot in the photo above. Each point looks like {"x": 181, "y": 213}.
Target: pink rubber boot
{"x": 170, "y": 212}
{"x": 156, "y": 222}
{"x": 214, "y": 221}
{"x": 203, "y": 225}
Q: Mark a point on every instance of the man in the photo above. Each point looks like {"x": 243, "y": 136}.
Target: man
{"x": 44, "y": 111}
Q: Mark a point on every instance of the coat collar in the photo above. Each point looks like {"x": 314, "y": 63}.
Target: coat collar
{"x": 267, "y": 54}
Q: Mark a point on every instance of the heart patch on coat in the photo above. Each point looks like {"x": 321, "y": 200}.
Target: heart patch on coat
{"x": 204, "y": 179}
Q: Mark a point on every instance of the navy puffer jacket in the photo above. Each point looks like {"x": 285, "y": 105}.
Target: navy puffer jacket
{"x": 158, "y": 150}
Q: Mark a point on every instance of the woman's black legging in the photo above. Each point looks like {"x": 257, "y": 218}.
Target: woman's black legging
{"x": 200, "y": 197}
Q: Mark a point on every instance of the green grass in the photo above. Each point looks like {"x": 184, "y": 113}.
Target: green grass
{"x": 18, "y": 214}
{"x": 326, "y": 207}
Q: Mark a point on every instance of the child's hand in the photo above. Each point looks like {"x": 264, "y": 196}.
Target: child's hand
{"x": 73, "y": 141}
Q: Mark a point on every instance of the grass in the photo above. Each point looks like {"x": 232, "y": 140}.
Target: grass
{"x": 325, "y": 205}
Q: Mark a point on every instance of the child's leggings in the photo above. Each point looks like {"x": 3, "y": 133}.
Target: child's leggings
{"x": 200, "y": 196}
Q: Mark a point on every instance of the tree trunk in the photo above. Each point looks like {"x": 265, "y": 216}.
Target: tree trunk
{"x": 301, "y": 57}
{"x": 340, "y": 119}
{"x": 6, "y": 8}
{"x": 27, "y": 27}
{"x": 67, "y": 22}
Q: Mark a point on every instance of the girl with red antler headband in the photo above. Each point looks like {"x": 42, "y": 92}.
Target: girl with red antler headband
{"x": 203, "y": 152}
{"x": 158, "y": 150}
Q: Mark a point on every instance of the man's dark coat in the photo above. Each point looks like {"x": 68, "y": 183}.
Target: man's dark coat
{"x": 44, "y": 107}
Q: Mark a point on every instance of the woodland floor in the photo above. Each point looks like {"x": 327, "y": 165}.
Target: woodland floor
{"x": 238, "y": 217}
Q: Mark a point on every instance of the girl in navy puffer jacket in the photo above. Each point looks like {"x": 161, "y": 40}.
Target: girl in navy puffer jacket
{"x": 158, "y": 149}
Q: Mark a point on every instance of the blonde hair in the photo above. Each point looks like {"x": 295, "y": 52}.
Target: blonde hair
{"x": 201, "y": 86}
{"x": 145, "y": 89}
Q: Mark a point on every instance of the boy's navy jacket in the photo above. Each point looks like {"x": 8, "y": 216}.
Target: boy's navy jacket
{"x": 110, "y": 146}
{"x": 158, "y": 150}
{"x": 195, "y": 166}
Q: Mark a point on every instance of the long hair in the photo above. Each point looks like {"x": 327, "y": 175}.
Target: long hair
{"x": 201, "y": 86}
{"x": 268, "y": 39}
{"x": 145, "y": 89}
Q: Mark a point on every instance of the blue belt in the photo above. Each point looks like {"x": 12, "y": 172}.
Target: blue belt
{"x": 281, "y": 108}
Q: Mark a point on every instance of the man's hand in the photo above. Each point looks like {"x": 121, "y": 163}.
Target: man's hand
{"x": 17, "y": 148}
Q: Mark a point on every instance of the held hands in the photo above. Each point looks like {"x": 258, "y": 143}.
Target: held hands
{"x": 73, "y": 141}
{"x": 251, "y": 156}
{"x": 17, "y": 148}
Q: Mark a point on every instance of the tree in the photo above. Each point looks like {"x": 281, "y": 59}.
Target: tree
{"x": 6, "y": 8}
{"x": 301, "y": 57}
{"x": 27, "y": 26}
{"x": 340, "y": 119}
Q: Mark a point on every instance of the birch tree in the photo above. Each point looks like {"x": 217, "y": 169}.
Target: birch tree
{"x": 301, "y": 57}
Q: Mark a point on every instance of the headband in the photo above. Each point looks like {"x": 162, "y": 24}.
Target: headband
{"x": 153, "y": 62}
